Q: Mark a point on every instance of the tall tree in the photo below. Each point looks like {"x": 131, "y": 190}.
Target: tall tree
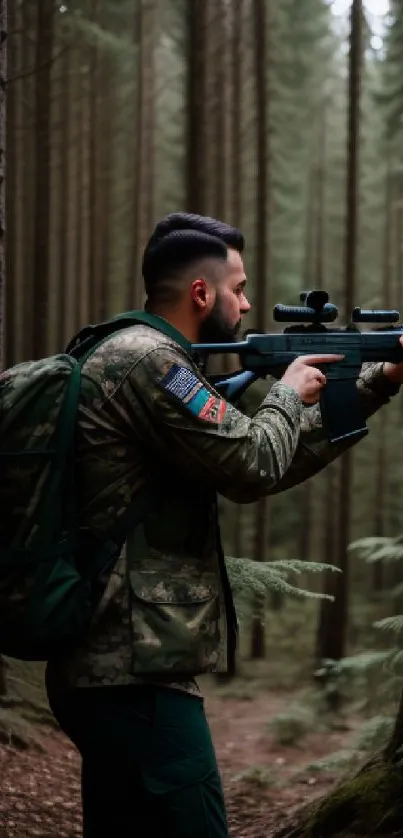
{"x": 197, "y": 12}
{"x": 44, "y": 54}
{"x": 144, "y": 181}
{"x": 3, "y": 83}
{"x": 236, "y": 202}
{"x": 260, "y": 28}
{"x": 334, "y": 616}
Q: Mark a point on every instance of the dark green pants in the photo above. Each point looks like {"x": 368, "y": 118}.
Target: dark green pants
{"x": 148, "y": 762}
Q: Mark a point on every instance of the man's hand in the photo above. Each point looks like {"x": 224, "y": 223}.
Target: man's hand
{"x": 394, "y": 372}
{"x": 308, "y": 381}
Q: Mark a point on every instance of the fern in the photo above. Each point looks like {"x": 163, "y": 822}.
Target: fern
{"x": 299, "y": 566}
{"x": 377, "y": 548}
{"x": 249, "y": 579}
{"x": 361, "y": 664}
{"x": 393, "y": 624}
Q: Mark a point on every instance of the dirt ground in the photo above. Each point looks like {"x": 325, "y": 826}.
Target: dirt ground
{"x": 40, "y": 792}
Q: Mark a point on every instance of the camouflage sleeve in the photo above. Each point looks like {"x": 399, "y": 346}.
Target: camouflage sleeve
{"x": 314, "y": 451}
{"x": 197, "y": 430}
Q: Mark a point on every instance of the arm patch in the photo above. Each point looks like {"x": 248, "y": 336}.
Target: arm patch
{"x": 182, "y": 383}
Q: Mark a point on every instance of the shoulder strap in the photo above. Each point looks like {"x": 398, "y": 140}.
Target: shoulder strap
{"x": 84, "y": 343}
{"x": 81, "y": 347}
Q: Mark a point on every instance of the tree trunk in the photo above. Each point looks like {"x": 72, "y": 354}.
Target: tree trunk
{"x": 326, "y": 634}
{"x": 93, "y": 172}
{"x": 340, "y": 614}
{"x": 3, "y": 77}
{"x": 236, "y": 71}
{"x": 62, "y": 332}
{"x": 44, "y": 43}
{"x": 334, "y": 616}
{"x": 314, "y": 269}
{"x": 143, "y": 187}
{"x": 260, "y": 26}
{"x": 196, "y": 145}
{"x": 81, "y": 278}
{"x": 381, "y": 476}
{"x": 237, "y": 110}
{"x": 369, "y": 804}
{"x": 10, "y": 186}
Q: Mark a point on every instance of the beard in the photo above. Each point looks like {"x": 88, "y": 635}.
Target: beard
{"x": 216, "y": 329}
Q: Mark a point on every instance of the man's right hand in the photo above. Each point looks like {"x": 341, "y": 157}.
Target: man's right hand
{"x": 303, "y": 376}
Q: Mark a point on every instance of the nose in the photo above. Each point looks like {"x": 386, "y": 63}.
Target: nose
{"x": 245, "y": 305}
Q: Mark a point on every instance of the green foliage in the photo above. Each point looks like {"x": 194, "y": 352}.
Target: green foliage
{"x": 256, "y": 775}
{"x": 291, "y": 726}
{"x": 385, "y": 549}
{"x": 368, "y": 804}
{"x": 342, "y": 760}
{"x": 376, "y": 548}
{"x": 17, "y": 731}
{"x": 371, "y": 736}
{"x": 249, "y": 579}
{"x": 121, "y": 45}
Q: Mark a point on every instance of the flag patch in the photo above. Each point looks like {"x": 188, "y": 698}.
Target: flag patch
{"x": 183, "y": 384}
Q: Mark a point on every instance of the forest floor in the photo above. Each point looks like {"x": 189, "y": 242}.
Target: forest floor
{"x": 264, "y": 781}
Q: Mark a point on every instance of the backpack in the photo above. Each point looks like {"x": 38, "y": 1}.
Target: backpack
{"x": 46, "y": 599}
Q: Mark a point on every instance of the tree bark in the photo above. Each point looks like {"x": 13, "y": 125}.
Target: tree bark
{"x": 3, "y": 77}
{"x": 196, "y": 105}
{"x": 44, "y": 44}
{"x": 260, "y": 27}
{"x": 333, "y": 642}
{"x": 143, "y": 187}
{"x": 368, "y": 804}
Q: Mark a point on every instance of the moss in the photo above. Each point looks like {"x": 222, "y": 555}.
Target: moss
{"x": 371, "y": 803}
{"x": 17, "y": 732}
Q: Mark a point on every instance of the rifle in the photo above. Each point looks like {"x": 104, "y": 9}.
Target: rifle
{"x": 270, "y": 354}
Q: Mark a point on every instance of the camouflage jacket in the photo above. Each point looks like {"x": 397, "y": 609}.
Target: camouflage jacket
{"x": 147, "y": 414}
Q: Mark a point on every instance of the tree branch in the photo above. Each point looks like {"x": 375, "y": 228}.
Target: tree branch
{"x": 34, "y": 70}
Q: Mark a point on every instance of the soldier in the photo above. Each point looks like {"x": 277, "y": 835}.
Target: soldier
{"x": 127, "y": 695}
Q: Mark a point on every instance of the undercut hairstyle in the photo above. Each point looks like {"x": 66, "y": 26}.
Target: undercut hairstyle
{"x": 179, "y": 243}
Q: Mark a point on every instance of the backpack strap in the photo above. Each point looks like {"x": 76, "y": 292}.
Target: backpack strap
{"x": 81, "y": 347}
{"x": 85, "y": 342}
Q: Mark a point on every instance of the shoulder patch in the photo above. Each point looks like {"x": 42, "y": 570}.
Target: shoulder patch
{"x": 182, "y": 383}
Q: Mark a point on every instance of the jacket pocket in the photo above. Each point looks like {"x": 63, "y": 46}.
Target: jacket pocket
{"x": 175, "y": 621}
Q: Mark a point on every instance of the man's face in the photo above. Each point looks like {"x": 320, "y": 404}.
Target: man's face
{"x": 223, "y": 322}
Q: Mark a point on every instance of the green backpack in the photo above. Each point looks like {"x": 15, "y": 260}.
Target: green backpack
{"x": 46, "y": 601}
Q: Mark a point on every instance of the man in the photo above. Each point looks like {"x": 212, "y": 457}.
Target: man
{"x": 127, "y": 696}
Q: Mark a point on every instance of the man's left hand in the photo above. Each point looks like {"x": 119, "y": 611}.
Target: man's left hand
{"x": 394, "y": 372}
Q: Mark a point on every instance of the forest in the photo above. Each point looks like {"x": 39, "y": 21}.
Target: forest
{"x": 284, "y": 118}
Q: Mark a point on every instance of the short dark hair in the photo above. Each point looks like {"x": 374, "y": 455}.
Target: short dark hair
{"x": 179, "y": 240}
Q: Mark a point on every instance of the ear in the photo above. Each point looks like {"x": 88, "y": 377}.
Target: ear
{"x": 200, "y": 293}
